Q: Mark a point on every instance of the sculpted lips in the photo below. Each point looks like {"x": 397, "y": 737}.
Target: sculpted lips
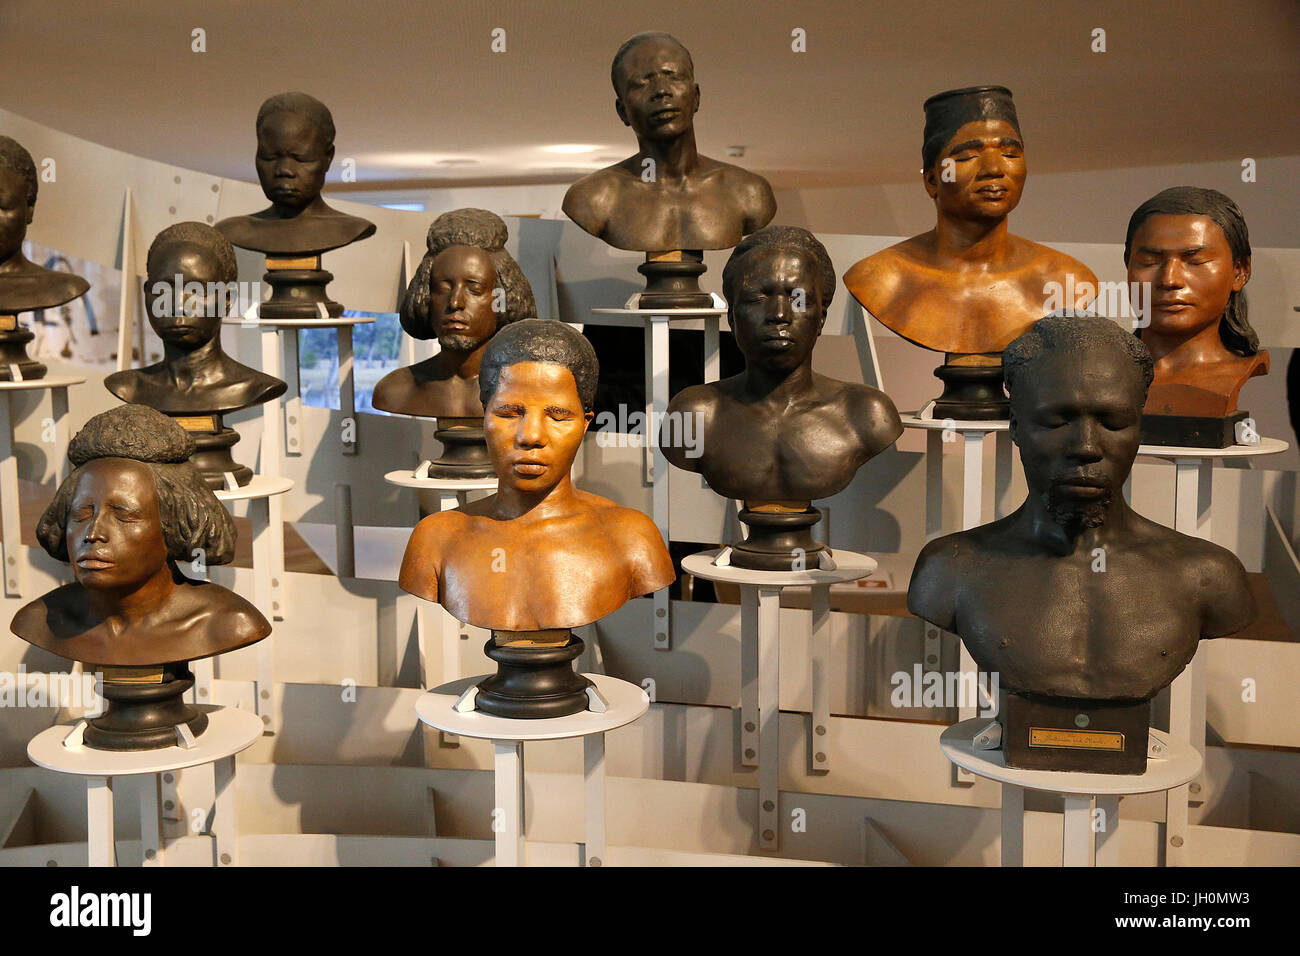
{"x": 92, "y": 562}
{"x": 529, "y": 467}
{"x": 1083, "y": 486}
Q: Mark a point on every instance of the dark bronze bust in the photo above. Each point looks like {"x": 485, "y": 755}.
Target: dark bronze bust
{"x": 539, "y": 557}
{"x": 1192, "y": 246}
{"x": 133, "y": 510}
{"x": 295, "y": 146}
{"x": 24, "y": 285}
{"x": 968, "y": 286}
{"x": 466, "y": 276}
{"x": 779, "y": 436}
{"x": 1084, "y": 608}
{"x": 189, "y": 289}
{"x": 666, "y": 199}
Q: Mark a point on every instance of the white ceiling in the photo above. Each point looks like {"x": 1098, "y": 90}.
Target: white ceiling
{"x": 420, "y": 99}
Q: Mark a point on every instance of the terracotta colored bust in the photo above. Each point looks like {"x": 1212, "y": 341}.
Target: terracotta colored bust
{"x": 295, "y": 146}
{"x": 24, "y": 285}
{"x": 779, "y": 435}
{"x": 540, "y": 553}
{"x": 968, "y": 286}
{"x": 1192, "y": 246}
{"x": 538, "y": 557}
{"x": 131, "y": 512}
{"x": 1119, "y": 602}
{"x": 196, "y": 382}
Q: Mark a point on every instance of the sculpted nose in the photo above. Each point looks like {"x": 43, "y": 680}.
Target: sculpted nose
{"x": 95, "y": 531}
{"x": 1171, "y": 274}
{"x": 457, "y": 300}
{"x": 1086, "y": 440}
{"x": 530, "y": 434}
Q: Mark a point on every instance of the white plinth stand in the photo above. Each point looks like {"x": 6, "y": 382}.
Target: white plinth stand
{"x": 433, "y": 618}
{"x": 971, "y": 434}
{"x": 1193, "y": 493}
{"x": 15, "y": 561}
{"x": 1084, "y": 793}
{"x": 287, "y": 331}
{"x": 624, "y": 703}
{"x": 656, "y": 325}
{"x": 760, "y": 693}
{"x": 260, "y": 493}
{"x": 228, "y": 732}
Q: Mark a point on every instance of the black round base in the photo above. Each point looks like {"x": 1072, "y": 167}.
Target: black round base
{"x": 533, "y": 682}
{"x": 13, "y": 351}
{"x": 144, "y": 716}
{"x": 464, "y": 454}
{"x": 674, "y": 284}
{"x": 778, "y": 541}
{"x": 213, "y": 459}
{"x": 971, "y": 393}
{"x": 297, "y": 294}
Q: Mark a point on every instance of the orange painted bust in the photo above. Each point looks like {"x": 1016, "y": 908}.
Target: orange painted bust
{"x": 968, "y": 286}
{"x": 540, "y": 554}
{"x": 1192, "y": 246}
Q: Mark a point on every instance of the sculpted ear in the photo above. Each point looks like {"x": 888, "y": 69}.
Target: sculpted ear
{"x": 622, "y": 111}
{"x": 931, "y": 182}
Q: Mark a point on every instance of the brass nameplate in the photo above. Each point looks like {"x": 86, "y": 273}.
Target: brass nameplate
{"x": 778, "y": 507}
{"x": 197, "y": 423}
{"x": 8, "y": 323}
{"x": 1076, "y": 739}
{"x": 306, "y": 262}
{"x": 550, "y": 637}
{"x": 973, "y": 358}
{"x": 133, "y": 675}
{"x": 674, "y": 256}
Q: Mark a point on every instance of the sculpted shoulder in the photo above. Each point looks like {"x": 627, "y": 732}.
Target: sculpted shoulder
{"x": 592, "y": 199}
{"x": 873, "y": 413}
{"x": 423, "y": 560}
{"x": 638, "y": 541}
{"x": 876, "y": 280}
{"x": 696, "y": 402}
{"x": 752, "y": 192}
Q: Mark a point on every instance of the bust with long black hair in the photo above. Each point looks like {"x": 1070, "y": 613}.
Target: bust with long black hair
{"x": 1193, "y": 248}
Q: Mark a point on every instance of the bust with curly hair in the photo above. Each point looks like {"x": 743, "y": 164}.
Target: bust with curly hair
{"x": 24, "y": 285}
{"x": 295, "y": 146}
{"x": 466, "y": 288}
{"x": 131, "y": 512}
{"x": 778, "y": 435}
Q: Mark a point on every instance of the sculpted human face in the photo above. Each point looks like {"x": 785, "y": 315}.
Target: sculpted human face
{"x": 114, "y": 532}
{"x": 1189, "y": 264}
{"x": 534, "y": 424}
{"x": 777, "y": 310}
{"x": 988, "y": 172}
{"x": 15, "y": 213}
{"x": 196, "y": 319}
{"x": 462, "y": 287}
{"x": 292, "y": 159}
{"x": 657, "y": 92}
{"x": 1077, "y": 420}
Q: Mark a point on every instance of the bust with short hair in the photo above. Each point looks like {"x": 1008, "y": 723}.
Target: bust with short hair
{"x": 295, "y": 147}
{"x": 189, "y": 289}
{"x": 130, "y": 514}
{"x": 666, "y": 200}
{"x": 779, "y": 435}
{"x": 1118, "y": 603}
{"x": 540, "y": 556}
{"x": 24, "y": 286}
{"x": 968, "y": 286}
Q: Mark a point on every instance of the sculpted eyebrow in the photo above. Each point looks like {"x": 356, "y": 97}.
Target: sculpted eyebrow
{"x": 558, "y": 410}
{"x": 962, "y": 147}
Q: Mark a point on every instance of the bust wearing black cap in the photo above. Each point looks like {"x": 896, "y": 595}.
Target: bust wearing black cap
{"x": 968, "y": 286}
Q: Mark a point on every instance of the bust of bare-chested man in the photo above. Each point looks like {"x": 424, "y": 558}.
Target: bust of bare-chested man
{"x": 1074, "y": 596}
{"x": 779, "y": 435}
{"x": 539, "y": 554}
{"x": 666, "y": 196}
{"x": 968, "y": 286}
{"x": 295, "y": 146}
